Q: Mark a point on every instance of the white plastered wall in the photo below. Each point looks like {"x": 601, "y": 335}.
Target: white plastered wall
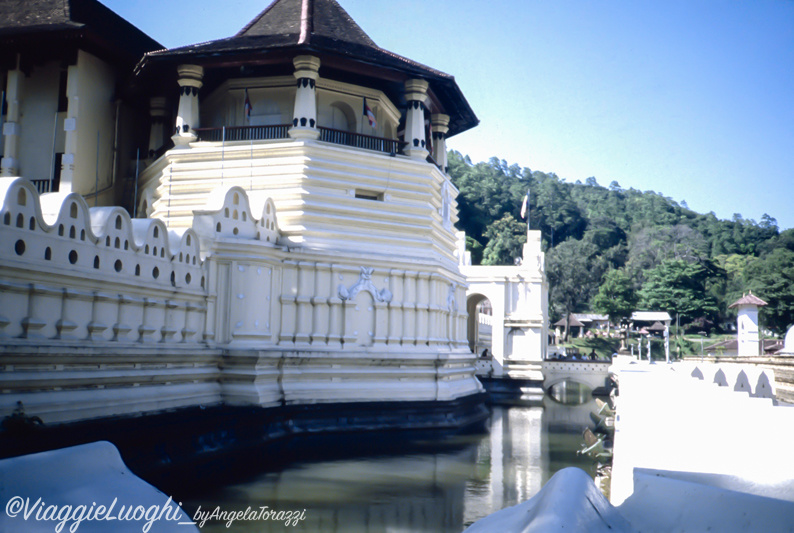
{"x": 38, "y": 108}
{"x": 89, "y": 127}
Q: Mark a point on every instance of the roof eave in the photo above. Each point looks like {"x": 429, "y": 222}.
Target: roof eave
{"x": 463, "y": 120}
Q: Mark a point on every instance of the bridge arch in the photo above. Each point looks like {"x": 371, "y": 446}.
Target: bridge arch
{"x": 473, "y": 330}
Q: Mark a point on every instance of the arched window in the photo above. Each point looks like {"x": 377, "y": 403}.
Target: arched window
{"x": 342, "y": 117}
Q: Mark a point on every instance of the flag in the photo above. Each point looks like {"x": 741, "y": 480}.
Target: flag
{"x": 369, "y": 114}
{"x": 525, "y": 205}
{"x": 247, "y": 106}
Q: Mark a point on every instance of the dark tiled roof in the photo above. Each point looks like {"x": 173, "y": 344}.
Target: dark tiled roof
{"x": 314, "y": 24}
{"x": 97, "y": 22}
{"x": 572, "y": 321}
{"x": 34, "y": 13}
{"x": 322, "y": 27}
{"x": 306, "y": 19}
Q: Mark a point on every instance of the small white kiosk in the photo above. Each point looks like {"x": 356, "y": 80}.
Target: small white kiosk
{"x": 747, "y": 324}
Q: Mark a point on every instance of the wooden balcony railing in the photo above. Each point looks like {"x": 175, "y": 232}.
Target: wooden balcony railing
{"x": 281, "y": 131}
{"x": 243, "y": 133}
{"x": 357, "y": 140}
{"x": 43, "y": 186}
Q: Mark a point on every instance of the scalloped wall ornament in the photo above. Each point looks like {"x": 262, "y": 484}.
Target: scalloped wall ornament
{"x": 364, "y": 283}
{"x": 452, "y": 303}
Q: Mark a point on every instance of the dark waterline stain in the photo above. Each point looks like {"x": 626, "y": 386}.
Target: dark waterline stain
{"x": 363, "y": 483}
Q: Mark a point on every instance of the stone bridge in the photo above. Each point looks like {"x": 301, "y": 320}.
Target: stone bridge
{"x": 593, "y": 374}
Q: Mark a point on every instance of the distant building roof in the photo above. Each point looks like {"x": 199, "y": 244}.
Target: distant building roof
{"x": 572, "y": 321}
{"x": 44, "y": 28}
{"x": 651, "y": 316}
{"x": 591, "y": 317}
{"x": 748, "y": 299}
{"x": 35, "y": 14}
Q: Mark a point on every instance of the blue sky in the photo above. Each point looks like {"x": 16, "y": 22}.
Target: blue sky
{"x": 690, "y": 98}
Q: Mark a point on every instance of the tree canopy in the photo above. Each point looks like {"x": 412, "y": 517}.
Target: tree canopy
{"x": 616, "y": 296}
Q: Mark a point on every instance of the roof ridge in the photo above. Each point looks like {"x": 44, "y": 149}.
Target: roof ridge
{"x": 307, "y": 21}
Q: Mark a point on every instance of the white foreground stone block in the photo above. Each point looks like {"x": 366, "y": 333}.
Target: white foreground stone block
{"x": 58, "y": 482}
{"x": 570, "y": 501}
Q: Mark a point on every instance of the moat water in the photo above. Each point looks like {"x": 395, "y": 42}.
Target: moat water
{"x": 441, "y": 486}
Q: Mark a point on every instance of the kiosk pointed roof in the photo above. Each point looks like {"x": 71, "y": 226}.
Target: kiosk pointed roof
{"x": 307, "y": 19}
{"x": 748, "y": 299}
{"x": 572, "y": 321}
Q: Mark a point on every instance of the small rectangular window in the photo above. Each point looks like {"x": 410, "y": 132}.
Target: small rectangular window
{"x": 63, "y": 98}
{"x": 56, "y": 173}
{"x": 369, "y": 195}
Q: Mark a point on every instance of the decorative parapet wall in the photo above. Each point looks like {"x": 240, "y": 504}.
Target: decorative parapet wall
{"x": 779, "y": 367}
{"x": 74, "y": 273}
{"x": 100, "y": 315}
{"x": 103, "y": 315}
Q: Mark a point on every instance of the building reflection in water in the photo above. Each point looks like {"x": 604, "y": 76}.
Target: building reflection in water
{"x": 439, "y": 491}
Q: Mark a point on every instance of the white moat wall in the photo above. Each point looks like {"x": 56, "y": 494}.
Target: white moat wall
{"x": 104, "y": 315}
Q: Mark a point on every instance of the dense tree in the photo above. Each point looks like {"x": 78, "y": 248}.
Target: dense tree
{"x": 650, "y": 246}
{"x": 506, "y": 238}
{"x": 616, "y": 296}
{"x": 573, "y": 270}
{"x": 553, "y": 210}
{"x": 772, "y": 279}
{"x": 488, "y": 191}
{"x": 679, "y": 287}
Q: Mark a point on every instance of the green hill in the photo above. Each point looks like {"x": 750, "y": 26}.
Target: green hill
{"x": 610, "y": 249}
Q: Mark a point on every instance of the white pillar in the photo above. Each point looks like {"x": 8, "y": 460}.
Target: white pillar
{"x": 157, "y": 114}
{"x": 440, "y": 126}
{"x": 11, "y": 128}
{"x": 187, "y": 119}
{"x": 304, "y": 121}
{"x": 70, "y": 142}
{"x": 415, "y": 95}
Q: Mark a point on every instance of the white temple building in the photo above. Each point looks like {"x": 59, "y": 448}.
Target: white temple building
{"x": 260, "y": 226}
